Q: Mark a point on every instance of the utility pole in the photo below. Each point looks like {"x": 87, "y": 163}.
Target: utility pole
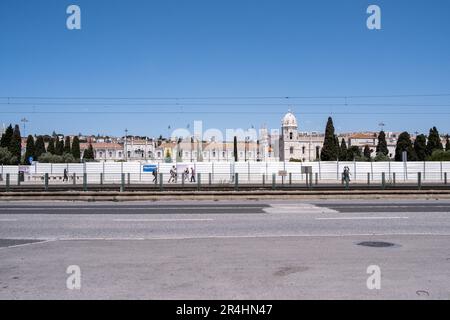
{"x": 126, "y": 151}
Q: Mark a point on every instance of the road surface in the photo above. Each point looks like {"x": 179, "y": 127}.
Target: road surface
{"x": 225, "y": 249}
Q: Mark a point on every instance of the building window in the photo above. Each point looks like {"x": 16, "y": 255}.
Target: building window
{"x": 303, "y": 149}
{"x": 100, "y": 154}
{"x": 290, "y": 135}
{"x": 291, "y": 150}
{"x": 317, "y": 152}
{"x": 110, "y": 154}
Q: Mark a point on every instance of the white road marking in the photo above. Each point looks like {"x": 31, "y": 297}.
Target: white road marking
{"x": 28, "y": 244}
{"x": 159, "y": 220}
{"x": 361, "y": 218}
{"x": 260, "y": 236}
{"x": 43, "y": 240}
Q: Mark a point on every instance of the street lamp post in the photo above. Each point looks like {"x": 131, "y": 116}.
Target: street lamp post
{"x": 24, "y": 120}
{"x": 126, "y": 139}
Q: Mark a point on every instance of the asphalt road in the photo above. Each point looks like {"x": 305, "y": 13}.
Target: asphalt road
{"x": 225, "y": 250}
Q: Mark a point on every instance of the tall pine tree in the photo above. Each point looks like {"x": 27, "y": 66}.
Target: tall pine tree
{"x": 15, "y": 145}
{"x": 6, "y": 137}
{"x": 76, "y": 148}
{"x": 382, "y": 144}
{"x": 329, "y": 150}
{"x": 67, "y": 145}
{"x": 367, "y": 152}
{"x": 235, "y": 149}
{"x": 420, "y": 147}
{"x": 88, "y": 153}
{"x": 404, "y": 144}
{"x": 30, "y": 151}
{"x": 51, "y": 146}
{"x": 434, "y": 141}
{"x": 343, "y": 151}
{"x": 59, "y": 146}
{"x": 39, "y": 147}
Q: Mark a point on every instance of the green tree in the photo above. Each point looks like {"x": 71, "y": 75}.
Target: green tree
{"x": 367, "y": 152}
{"x": 76, "y": 147}
{"x": 329, "y": 150}
{"x": 439, "y": 155}
{"x": 343, "y": 150}
{"x": 6, "y": 137}
{"x": 420, "y": 147}
{"x": 89, "y": 153}
{"x": 434, "y": 141}
{"x": 59, "y": 146}
{"x": 447, "y": 143}
{"x": 353, "y": 153}
{"x": 30, "y": 150}
{"x": 404, "y": 144}
{"x": 67, "y": 148}
{"x": 6, "y": 157}
{"x": 51, "y": 146}
{"x": 235, "y": 149}
{"x": 39, "y": 147}
{"x": 15, "y": 145}
{"x": 382, "y": 144}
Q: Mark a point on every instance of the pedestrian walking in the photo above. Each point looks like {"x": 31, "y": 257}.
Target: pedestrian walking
{"x": 172, "y": 175}
{"x": 192, "y": 175}
{"x": 66, "y": 176}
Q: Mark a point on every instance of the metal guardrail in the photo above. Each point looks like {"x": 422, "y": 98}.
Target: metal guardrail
{"x": 236, "y": 182}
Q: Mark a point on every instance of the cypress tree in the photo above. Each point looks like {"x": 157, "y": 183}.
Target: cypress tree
{"x": 15, "y": 145}
{"x": 343, "y": 150}
{"x": 329, "y": 149}
{"x": 89, "y": 153}
{"x": 404, "y": 144}
{"x": 382, "y": 144}
{"x": 31, "y": 150}
{"x": 353, "y": 152}
{"x": 6, "y": 137}
{"x": 420, "y": 147}
{"x": 39, "y": 147}
{"x": 67, "y": 145}
{"x": 59, "y": 146}
{"x": 76, "y": 147}
{"x": 235, "y": 149}
{"x": 434, "y": 141}
{"x": 51, "y": 146}
{"x": 367, "y": 152}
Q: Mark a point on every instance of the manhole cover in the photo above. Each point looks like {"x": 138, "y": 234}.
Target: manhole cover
{"x": 376, "y": 244}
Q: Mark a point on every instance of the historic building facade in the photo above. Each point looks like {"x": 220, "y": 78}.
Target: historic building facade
{"x": 299, "y": 146}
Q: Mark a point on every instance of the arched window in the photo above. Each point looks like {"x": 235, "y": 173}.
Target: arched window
{"x": 291, "y": 150}
{"x": 291, "y": 135}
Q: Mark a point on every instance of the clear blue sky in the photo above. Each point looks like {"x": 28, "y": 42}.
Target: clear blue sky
{"x": 224, "y": 48}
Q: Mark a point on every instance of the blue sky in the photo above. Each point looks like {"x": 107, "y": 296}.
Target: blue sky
{"x": 205, "y": 48}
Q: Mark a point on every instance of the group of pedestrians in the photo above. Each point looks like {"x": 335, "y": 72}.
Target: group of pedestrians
{"x": 188, "y": 175}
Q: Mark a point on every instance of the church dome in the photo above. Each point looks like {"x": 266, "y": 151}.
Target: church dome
{"x": 289, "y": 120}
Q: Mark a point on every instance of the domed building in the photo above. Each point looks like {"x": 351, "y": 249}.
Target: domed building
{"x": 298, "y": 146}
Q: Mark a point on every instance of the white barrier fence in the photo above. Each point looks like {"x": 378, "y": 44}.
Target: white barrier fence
{"x": 223, "y": 172}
